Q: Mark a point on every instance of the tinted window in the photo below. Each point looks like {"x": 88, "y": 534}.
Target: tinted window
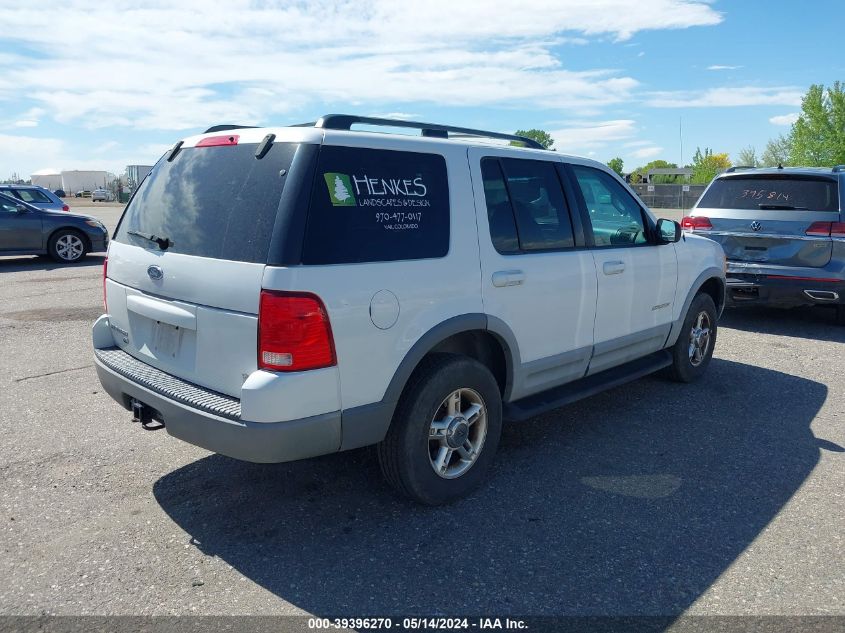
{"x": 32, "y": 195}
{"x": 615, "y": 215}
{"x": 8, "y": 205}
{"x": 767, "y": 192}
{"x": 525, "y": 205}
{"x": 377, "y": 205}
{"x": 542, "y": 216}
{"x": 217, "y": 202}
{"x": 499, "y": 210}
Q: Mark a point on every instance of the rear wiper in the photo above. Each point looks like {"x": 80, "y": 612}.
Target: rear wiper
{"x": 163, "y": 242}
{"x": 780, "y": 207}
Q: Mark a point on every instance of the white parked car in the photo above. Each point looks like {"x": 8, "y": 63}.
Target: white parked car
{"x": 101, "y": 195}
{"x": 277, "y": 294}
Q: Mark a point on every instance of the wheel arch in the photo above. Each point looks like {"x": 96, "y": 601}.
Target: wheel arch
{"x": 477, "y": 335}
{"x": 710, "y": 281}
{"x": 64, "y": 227}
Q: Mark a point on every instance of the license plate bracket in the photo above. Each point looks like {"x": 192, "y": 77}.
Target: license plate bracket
{"x": 167, "y": 339}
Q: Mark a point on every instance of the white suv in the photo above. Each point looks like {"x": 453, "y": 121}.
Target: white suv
{"x": 276, "y": 294}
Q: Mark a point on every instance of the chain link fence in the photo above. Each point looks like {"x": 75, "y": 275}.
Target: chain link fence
{"x": 669, "y": 196}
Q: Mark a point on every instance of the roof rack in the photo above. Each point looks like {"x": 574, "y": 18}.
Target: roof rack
{"x": 431, "y": 130}
{"x": 731, "y": 170}
{"x": 838, "y": 169}
{"x": 223, "y": 128}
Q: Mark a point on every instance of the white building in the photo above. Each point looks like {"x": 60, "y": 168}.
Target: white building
{"x": 136, "y": 173}
{"x": 48, "y": 180}
{"x": 77, "y": 180}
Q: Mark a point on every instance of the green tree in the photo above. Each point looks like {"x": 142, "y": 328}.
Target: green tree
{"x": 747, "y": 157}
{"x": 818, "y": 136}
{"x": 616, "y": 164}
{"x": 541, "y": 136}
{"x": 777, "y": 152}
{"x": 640, "y": 173}
{"x": 706, "y": 164}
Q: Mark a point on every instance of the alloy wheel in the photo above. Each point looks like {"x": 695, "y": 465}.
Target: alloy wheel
{"x": 699, "y": 339}
{"x": 457, "y": 433}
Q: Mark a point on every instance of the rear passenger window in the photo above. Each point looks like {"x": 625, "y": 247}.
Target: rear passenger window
{"x": 615, "y": 215}
{"x": 377, "y": 206}
{"x": 499, "y": 210}
{"x": 525, "y": 206}
{"x": 31, "y": 195}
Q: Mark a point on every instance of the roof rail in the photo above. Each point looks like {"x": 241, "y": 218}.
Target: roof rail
{"x": 838, "y": 169}
{"x": 223, "y": 128}
{"x": 432, "y": 130}
{"x": 731, "y": 170}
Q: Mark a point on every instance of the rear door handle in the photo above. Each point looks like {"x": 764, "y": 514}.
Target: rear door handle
{"x": 504, "y": 278}
{"x": 614, "y": 268}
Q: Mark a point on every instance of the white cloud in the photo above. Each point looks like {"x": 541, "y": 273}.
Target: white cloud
{"x": 720, "y": 67}
{"x": 184, "y": 65}
{"x": 28, "y": 150}
{"x": 105, "y": 147}
{"x": 784, "y": 119}
{"x": 581, "y": 136}
{"x": 647, "y": 152}
{"x": 152, "y": 152}
{"x": 727, "y": 97}
{"x": 403, "y": 116}
{"x": 30, "y": 118}
{"x": 51, "y": 155}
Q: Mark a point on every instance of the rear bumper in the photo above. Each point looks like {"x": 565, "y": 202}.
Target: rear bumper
{"x": 211, "y": 420}
{"x": 783, "y": 291}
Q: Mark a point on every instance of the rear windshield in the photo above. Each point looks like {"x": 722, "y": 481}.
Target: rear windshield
{"x": 774, "y": 193}
{"x": 217, "y": 202}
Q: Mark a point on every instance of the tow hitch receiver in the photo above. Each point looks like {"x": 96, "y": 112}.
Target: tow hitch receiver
{"x": 145, "y": 416}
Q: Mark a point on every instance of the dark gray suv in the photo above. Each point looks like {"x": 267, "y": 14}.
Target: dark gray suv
{"x": 783, "y": 234}
{"x": 66, "y": 237}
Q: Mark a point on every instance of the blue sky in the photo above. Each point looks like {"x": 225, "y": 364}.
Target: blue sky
{"x": 98, "y": 87}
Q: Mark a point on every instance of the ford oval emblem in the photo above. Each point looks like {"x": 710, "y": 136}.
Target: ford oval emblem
{"x": 155, "y": 273}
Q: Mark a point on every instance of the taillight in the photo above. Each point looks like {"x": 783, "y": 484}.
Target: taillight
{"x": 837, "y": 229}
{"x": 105, "y": 273}
{"x": 294, "y": 333}
{"x": 65, "y": 208}
{"x": 214, "y": 141}
{"x": 696, "y": 223}
{"x": 819, "y": 229}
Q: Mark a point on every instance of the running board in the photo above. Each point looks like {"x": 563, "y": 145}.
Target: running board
{"x": 546, "y": 401}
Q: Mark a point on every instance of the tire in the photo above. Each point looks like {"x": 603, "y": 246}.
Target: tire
{"x": 840, "y": 315}
{"x": 67, "y": 246}
{"x": 420, "y": 439}
{"x": 690, "y": 356}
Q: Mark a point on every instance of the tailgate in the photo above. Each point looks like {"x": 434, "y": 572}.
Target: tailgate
{"x": 198, "y": 322}
{"x": 778, "y": 217}
{"x": 766, "y": 240}
{"x": 187, "y": 260}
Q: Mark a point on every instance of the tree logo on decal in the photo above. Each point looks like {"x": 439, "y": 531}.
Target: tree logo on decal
{"x": 340, "y": 189}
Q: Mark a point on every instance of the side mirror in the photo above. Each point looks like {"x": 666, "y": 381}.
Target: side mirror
{"x": 22, "y": 208}
{"x": 668, "y": 231}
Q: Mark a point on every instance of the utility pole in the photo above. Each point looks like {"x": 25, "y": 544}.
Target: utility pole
{"x": 681, "y": 140}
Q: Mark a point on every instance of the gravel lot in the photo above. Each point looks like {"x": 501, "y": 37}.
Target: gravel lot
{"x": 723, "y": 497}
